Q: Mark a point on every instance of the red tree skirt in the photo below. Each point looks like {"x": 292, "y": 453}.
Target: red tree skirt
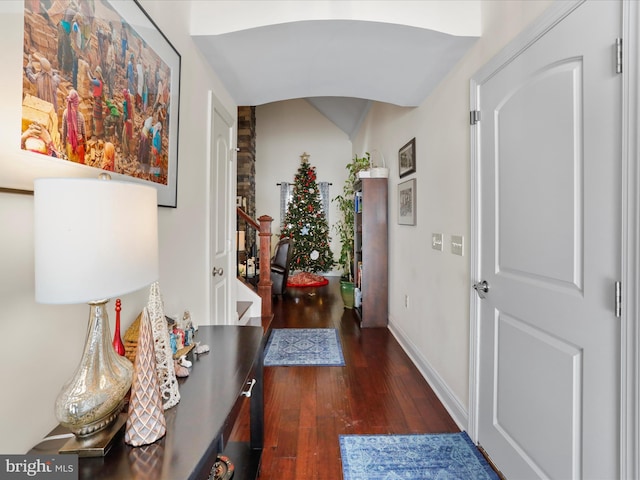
{"x": 306, "y": 279}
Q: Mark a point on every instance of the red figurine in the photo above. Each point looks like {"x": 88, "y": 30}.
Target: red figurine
{"x": 117, "y": 341}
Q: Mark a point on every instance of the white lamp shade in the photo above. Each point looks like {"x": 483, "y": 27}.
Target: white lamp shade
{"x": 94, "y": 239}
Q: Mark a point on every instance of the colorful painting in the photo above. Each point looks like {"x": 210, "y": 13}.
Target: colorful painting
{"x": 100, "y": 89}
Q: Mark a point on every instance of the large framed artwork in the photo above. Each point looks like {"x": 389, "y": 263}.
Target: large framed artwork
{"x": 407, "y": 202}
{"x": 100, "y": 92}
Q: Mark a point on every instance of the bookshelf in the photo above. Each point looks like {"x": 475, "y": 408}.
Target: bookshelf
{"x": 371, "y": 248}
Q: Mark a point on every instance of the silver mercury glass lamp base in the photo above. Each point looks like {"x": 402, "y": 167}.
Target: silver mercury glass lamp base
{"x": 92, "y": 400}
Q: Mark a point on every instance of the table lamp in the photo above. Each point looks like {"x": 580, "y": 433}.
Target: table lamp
{"x": 94, "y": 239}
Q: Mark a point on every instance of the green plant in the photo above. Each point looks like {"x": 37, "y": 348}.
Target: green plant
{"x": 346, "y": 206}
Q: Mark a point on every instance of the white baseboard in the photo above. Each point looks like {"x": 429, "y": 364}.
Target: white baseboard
{"x": 457, "y": 411}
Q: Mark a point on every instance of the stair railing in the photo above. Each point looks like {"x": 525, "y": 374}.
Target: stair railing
{"x": 263, "y": 261}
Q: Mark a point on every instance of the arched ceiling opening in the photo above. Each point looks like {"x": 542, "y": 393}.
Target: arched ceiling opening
{"x": 337, "y": 62}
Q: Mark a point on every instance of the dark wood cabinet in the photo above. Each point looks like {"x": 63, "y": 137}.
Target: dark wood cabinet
{"x": 371, "y": 247}
{"x": 199, "y": 426}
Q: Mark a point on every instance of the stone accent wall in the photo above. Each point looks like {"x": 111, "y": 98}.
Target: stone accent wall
{"x": 246, "y": 184}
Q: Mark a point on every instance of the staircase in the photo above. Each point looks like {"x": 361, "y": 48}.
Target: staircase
{"x": 250, "y": 294}
{"x": 249, "y": 303}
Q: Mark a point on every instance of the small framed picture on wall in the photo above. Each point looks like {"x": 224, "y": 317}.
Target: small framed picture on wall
{"x": 407, "y": 158}
{"x": 407, "y": 202}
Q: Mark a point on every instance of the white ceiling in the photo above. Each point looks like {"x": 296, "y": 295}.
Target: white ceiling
{"x": 338, "y": 65}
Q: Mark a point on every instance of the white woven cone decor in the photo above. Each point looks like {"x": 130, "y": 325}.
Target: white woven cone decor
{"x": 164, "y": 355}
{"x": 146, "y": 422}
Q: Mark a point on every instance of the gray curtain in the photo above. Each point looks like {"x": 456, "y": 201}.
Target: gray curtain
{"x": 285, "y": 196}
{"x": 324, "y": 196}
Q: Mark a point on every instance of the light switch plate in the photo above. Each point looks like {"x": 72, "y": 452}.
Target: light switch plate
{"x": 457, "y": 244}
{"x": 436, "y": 241}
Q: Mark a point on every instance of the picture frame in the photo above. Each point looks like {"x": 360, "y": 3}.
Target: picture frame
{"x": 137, "y": 144}
{"x": 407, "y": 158}
{"x": 407, "y": 202}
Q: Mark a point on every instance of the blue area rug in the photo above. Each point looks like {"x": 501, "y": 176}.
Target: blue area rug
{"x": 446, "y": 456}
{"x": 304, "y": 346}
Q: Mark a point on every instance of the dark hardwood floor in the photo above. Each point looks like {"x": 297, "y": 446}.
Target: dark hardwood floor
{"x": 379, "y": 391}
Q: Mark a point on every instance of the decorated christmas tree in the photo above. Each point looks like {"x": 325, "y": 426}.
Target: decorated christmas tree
{"x": 306, "y": 223}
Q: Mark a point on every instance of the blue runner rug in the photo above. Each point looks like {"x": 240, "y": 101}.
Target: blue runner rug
{"x": 446, "y": 456}
{"x": 304, "y": 346}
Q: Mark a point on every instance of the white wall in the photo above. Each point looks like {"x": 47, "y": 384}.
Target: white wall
{"x": 43, "y": 343}
{"x": 434, "y": 328}
{"x": 284, "y": 130}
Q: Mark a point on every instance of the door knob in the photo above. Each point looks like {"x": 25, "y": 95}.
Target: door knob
{"x": 217, "y": 271}
{"x": 482, "y": 288}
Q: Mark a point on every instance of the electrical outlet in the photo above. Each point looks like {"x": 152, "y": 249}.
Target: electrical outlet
{"x": 457, "y": 244}
{"x": 436, "y": 241}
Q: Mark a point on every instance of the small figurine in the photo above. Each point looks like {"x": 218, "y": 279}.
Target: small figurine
{"x": 184, "y": 362}
{"x": 189, "y": 331}
{"x": 179, "y": 334}
{"x": 180, "y": 370}
{"x": 173, "y": 339}
{"x": 201, "y": 348}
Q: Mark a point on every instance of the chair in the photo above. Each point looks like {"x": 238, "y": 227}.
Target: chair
{"x": 280, "y": 265}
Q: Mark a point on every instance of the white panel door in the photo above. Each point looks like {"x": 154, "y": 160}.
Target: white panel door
{"x": 222, "y": 272}
{"x": 549, "y": 221}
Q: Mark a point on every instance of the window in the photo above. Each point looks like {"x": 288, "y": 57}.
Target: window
{"x": 286, "y": 194}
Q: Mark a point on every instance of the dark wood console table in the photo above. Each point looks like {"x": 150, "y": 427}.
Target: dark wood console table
{"x": 199, "y": 426}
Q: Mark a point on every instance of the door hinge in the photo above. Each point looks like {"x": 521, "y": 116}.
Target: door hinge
{"x": 618, "y": 55}
{"x": 618, "y": 299}
{"x": 474, "y": 116}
